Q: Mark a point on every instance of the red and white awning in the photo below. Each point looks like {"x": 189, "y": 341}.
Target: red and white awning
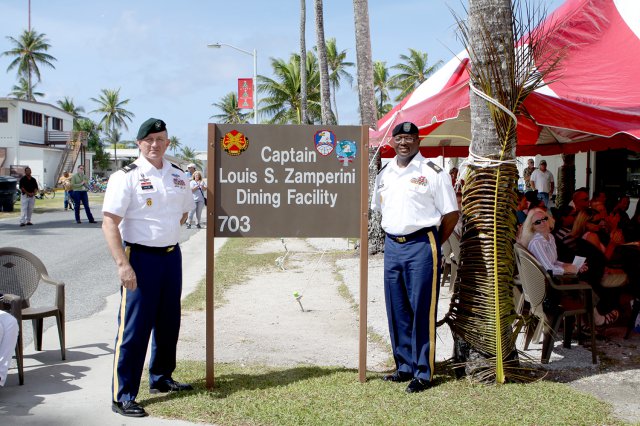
{"x": 593, "y": 105}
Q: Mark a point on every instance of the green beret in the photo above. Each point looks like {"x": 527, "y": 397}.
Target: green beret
{"x": 152, "y": 125}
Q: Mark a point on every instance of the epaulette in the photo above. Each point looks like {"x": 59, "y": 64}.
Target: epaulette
{"x": 129, "y": 167}
{"x": 382, "y": 168}
{"x": 434, "y": 166}
{"x": 173, "y": 165}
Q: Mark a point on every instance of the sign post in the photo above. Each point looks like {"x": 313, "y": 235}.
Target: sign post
{"x": 287, "y": 181}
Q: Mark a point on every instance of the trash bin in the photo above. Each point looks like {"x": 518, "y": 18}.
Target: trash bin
{"x": 7, "y": 193}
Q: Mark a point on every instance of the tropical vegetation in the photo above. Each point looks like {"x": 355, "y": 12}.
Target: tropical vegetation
{"x": 114, "y": 114}
{"x": 229, "y": 111}
{"x": 29, "y": 52}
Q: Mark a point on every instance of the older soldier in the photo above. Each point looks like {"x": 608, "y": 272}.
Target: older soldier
{"x": 145, "y": 205}
{"x": 415, "y": 197}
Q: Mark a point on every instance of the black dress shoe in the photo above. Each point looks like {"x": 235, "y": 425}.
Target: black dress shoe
{"x": 92, "y": 221}
{"x": 128, "y": 408}
{"x": 397, "y": 377}
{"x": 169, "y": 386}
{"x": 417, "y": 385}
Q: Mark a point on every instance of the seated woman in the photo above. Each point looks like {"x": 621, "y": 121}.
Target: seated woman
{"x": 536, "y": 236}
{"x": 589, "y": 245}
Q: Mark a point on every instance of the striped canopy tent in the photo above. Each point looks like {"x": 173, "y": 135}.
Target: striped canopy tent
{"x": 594, "y": 104}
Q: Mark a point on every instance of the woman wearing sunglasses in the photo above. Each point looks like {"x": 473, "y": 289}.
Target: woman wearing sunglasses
{"x": 536, "y": 236}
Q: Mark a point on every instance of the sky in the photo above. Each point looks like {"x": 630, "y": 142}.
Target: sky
{"x": 156, "y": 52}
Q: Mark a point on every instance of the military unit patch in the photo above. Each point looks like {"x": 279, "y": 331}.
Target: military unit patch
{"x": 346, "y": 151}
{"x": 325, "y": 142}
{"x": 234, "y": 143}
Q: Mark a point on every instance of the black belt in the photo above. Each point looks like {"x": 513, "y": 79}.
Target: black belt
{"x": 401, "y": 239}
{"x": 148, "y": 249}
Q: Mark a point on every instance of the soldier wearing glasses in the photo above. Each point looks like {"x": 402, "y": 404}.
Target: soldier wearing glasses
{"x": 144, "y": 207}
{"x": 419, "y": 211}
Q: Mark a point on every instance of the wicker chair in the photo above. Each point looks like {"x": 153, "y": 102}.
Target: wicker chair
{"x": 551, "y": 303}
{"x": 20, "y": 274}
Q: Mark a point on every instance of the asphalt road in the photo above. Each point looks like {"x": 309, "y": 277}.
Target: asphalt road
{"x": 75, "y": 254}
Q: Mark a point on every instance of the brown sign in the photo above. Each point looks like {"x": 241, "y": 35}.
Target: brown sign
{"x": 286, "y": 181}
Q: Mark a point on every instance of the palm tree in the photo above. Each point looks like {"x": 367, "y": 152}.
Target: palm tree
{"x": 230, "y": 113}
{"x": 189, "y": 155}
{"x": 174, "y": 144}
{"x": 303, "y": 62}
{"x": 23, "y": 91}
{"x": 114, "y": 116}
{"x": 69, "y": 106}
{"x": 337, "y": 65}
{"x": 382, "y": 84}
{"x": 325, "y": 91}
{"x": 113, "y": 139}
{"x": 29, "y": 51}
{"x": 481, "y": 313}
{"x": 367, "y": 98}
{"x": 412, "y": 72}
{"x": 282, "y": 100}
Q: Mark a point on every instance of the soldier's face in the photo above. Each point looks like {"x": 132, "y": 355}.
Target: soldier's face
{"x": 406, "y": 146}
{"x": 153, "y": 146}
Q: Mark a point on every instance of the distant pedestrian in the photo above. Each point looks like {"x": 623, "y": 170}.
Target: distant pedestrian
{"x": 542, "y": 181}
{"x": 8, "y": 337}
{"x": 526, "y": 175}
{"x": 145, "y": 205}
{"x": 65, "y": 182}
{"x": 198, "y": 188}
{"x": 28, "y": 189}
{"x": 79, "y": 184}
{"x": 191, "y": 169}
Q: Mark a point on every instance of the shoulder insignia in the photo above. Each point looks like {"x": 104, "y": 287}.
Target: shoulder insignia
{"x": 382, "y": 168}
{"x": 129, "y": 167}
{"x": 434, "y": 166}
{"x": 173, "y": 165}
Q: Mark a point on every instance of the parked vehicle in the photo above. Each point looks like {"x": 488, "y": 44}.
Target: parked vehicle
{"x": 8, "y": 195}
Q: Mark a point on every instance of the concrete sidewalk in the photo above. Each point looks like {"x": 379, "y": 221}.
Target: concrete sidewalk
{"x": 77, "y": 391}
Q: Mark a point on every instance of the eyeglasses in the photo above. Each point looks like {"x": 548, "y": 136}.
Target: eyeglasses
{"x": 539, "y": 221}
{"x": 150, "y": 141}
{"x": 399, "y": 139}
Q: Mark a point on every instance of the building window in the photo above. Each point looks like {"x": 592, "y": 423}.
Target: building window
{"x": 4, "y": 115}
{"x": 56, "y": 123}
{"x": 31, "y": 118}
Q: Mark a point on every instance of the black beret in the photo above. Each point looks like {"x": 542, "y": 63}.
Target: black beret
{"x": 152, "y": 125}
{"x": 406, "y": 128}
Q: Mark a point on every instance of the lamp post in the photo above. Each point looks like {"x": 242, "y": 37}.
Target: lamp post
{"x": 255, "y": 74}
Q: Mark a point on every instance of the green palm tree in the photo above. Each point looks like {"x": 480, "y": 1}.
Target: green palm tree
{"x": 22, "y": 90}
{"x": 174, "y": 144}
{"x": 338, "y": 70}
{"x": 230, "y": 113}
{"x": 113, "y": 137}
{"x": 412, "y": 72}
{"x": 29, "y": 51}
{"x": 382, "y": 85}
{"x": 189, "y": 155}
{"x": 69, "y": 106}
{"x": 114, "y": 116}
{"x": 282, "y": 99}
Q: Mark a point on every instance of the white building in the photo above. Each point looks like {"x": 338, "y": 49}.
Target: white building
{"x": 40, "y": 136}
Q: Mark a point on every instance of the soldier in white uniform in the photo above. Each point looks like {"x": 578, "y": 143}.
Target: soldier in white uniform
{"x": 145, "y": 204}
{"x": 419, "y": 211}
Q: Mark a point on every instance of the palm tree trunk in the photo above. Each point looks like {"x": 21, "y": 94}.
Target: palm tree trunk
{"x": 368, "y": 114}
{"x": 303, "y": 63}
{"x": 487, "y": 244}
{"x": 325, "y": 91}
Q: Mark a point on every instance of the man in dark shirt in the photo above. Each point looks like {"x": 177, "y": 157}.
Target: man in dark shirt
{"x": 28, "y": 188}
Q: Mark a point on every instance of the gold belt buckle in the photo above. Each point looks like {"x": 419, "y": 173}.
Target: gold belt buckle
{"x": 170, "y": 249}
{"x": 401, "y": 239}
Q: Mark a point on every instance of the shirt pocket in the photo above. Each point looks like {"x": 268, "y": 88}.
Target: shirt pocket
{"x": 147, "y": 197}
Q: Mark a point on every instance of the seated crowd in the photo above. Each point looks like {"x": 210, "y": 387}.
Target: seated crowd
{"x": 588, "y": 229}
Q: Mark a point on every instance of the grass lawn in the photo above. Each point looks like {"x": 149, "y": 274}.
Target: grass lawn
{"x": 50, "y": 204}
{"x": 247, "y": 394}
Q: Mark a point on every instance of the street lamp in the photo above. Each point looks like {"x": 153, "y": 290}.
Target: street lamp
{"x": 255, "y": 74}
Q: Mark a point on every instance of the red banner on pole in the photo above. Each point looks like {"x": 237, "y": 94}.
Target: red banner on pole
{"x": 245, "y": 93}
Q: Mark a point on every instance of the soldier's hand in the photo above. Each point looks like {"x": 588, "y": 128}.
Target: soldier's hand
{"x": 127, "y": 277}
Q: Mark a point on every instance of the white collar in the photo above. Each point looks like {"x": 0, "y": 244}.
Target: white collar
{"x": 148, "y": 168}
{"x": 415, "y": 162}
